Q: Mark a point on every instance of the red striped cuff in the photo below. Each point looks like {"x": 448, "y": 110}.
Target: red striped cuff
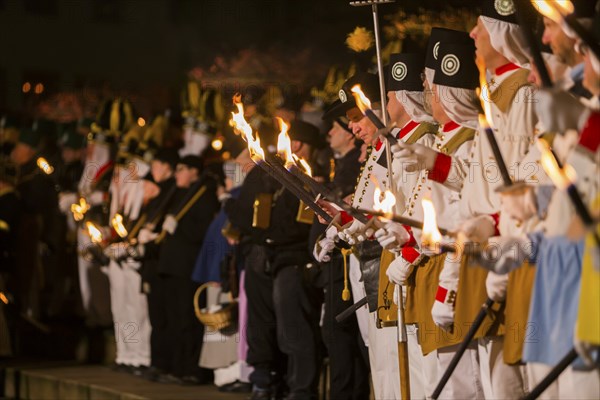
{"x": 496, "y": 218}
{"x": 345, "y": 218}
{"x": 441, "y": 168}
{"x": 441, "y": 294}
{"x": 410, "y": 254}
{"x": 411, "y": 242}
{"x": 590, "y": 135}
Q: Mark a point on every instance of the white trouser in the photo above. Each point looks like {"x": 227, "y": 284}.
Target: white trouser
{"x": 465, "y": 382}
{"x": 383, "y": 357}
{"x": 571, "y": 384}
{"x": 130, "y": 314}
{"x": 83, "y": 266}
{"x": 499, "y": 380}
{"x": 423, "y": 369}
{"x": 358, "y": 292}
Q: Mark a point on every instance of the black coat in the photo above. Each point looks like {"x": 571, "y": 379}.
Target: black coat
{"x": 240, "y": 211}
{"x": 178, "y": 252}
{"x": 40, "y": 201}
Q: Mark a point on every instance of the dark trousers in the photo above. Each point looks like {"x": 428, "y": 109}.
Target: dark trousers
{"x": 183, "y": 328}
{"x": 348, "y": 355}
{"x": 261, "y": 333}
{"x": 157, "y": 312}
{"x": 297, "y": 306}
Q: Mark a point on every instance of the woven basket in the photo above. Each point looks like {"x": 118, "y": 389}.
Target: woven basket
{"x": 217, "y": 320}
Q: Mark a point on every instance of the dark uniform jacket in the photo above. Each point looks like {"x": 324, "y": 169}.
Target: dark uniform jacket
{"x": 178, "y": 252}
{"x": 39, "y": 201}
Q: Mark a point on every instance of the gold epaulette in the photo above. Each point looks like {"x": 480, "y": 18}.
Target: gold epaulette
{"x": 463, "y": 135}
{"x": 423, "y": 129}
{"x": 505, "y": 93}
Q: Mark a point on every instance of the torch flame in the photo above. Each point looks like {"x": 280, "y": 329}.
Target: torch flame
{"x": 485, "y": 121}
{"x": 117, "y": 224}
{"x": 554, "y": 9}
{"x": 284, "y": 143}
{"x": 387, "y": 204}
{"x": 304, "y": 164}
{"x": 94, "y": 232}
{"x": 431, "y": 236}
{"x": 3, "y": 298}
{"x": 362, "y": 101}
{"x": 45, "y": 166}
{"x": 561, "y": 177}
{"x": 239, "y": 124}
{"x": 79, "y": 209}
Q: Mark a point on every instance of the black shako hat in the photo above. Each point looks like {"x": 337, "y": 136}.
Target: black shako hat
{"x": 456, "y": 67}
{"x": 436, "y": 37}
{"x": 369, "y": 84}
{"x": 168, "y": 156}
{"x": 405, "y": 72}
{"x": 192, "y": 161}
{"x": 306, "y": 133}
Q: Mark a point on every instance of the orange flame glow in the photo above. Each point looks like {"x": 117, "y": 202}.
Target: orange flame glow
{"x": 79, "y": 209}
{"x": 561, "y": 177}
{"x": 384, "y": 202}
{"x": 555, "y": 10}
{"x": 362, "y": 101}
{"x": 94, "y": 232}
{"x": 485, "y": 121}
{"x": 117, "y": 224}
{"x": 44, "y": 165}
{"x": 239, "y": 124}
{"x": 304, "y": 164}
{"x": 284, "y": 143}
{"x": 431, "y": 235}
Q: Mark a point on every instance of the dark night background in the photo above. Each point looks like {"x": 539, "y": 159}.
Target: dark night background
{"x": 150, "y": 45}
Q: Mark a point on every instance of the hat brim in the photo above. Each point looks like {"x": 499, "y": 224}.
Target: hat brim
{"x": 338, "y": 109}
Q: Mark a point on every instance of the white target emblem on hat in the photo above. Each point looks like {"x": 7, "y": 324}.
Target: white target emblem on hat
{"x": 450, "y": 64}
{"x": 436, "y": 50}
{"x": 399, "y": 71}
{"x": 343, "y": 96}
{"x": 504, "y": 7}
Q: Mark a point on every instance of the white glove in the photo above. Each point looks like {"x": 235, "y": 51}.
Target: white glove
{"x": 95, "y": 198}
{"x": 324, "y": 246}
{"x": 117, "y": 250}
{"x": 392, "y": 236}
{"x": 559, "y": 111}
{"x": 65, "y": 200}
{"x": 357, "y": 232}
{"x": 169, "y": 224}
{"x": 478, "y": 229}
{"x": 399, "y": 270}
{"x": 496, "y": 285}
{"x": 146, "y": 235}
{"x": 520, "y": 204}
{"x": 414, "y": 157}
{"x": 503, "y": 254}
{"x": 442, "y": 314}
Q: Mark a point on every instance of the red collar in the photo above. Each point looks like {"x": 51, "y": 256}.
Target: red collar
{"x": 450, "y": 126}
{"x": 505, "y": 68}
{"x": 378, "y": 144}
{"x": 407, "y": 129}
